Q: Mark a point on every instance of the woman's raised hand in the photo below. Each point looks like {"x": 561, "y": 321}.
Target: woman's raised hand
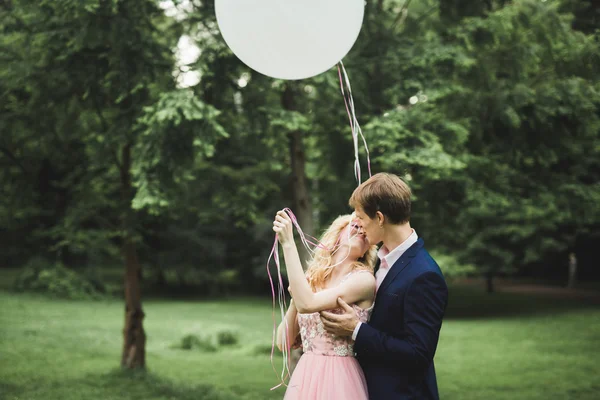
{"x": 282, "y": 226}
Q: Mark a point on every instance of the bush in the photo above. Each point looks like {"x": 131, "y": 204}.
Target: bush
{"x": 207, "y": 343}
{"x": 227, "y": 338}
{"x": 55, "y": 280}
{"x": 194, "y": 342}
{"x": 452, "y": 267}
{"x": 265, "y": 349}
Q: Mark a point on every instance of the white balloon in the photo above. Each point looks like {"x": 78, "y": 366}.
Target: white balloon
{"x": 290, "y": 39}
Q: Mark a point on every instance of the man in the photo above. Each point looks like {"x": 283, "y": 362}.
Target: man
{"x": 396, "y": 347}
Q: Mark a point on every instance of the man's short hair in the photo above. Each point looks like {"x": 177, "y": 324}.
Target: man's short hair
{"x": 386, "y": 193}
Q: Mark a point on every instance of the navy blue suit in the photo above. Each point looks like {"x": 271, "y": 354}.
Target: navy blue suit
{"x": 396, "y": 347}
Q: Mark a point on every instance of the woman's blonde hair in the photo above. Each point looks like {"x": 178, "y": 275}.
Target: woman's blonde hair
{"x": 319, "y": 268}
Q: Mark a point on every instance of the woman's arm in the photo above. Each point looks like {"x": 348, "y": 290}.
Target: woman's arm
{"x": 356, "y": 288}
{"x": 292, "y": 324}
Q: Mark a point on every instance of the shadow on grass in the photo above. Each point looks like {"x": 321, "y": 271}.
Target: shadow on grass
{"x": 125, "y": 384}
{"x": 10, "y": 391}
{"x": 467, "y": 302}
{"x": 119, "y": 384}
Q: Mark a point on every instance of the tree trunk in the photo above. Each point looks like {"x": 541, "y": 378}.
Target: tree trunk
{"x": 134, "y": 337}
{"x": 301, "y": 198}
{"x": 301, "y": 204}
{"x": 489, "y": 280}
{"x": 572, "y": 271}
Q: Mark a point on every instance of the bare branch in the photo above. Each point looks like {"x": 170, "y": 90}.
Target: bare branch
{"x": 402, "y": 14}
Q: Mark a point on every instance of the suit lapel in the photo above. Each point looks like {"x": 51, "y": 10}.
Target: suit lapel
{"x": 400, "y": 265}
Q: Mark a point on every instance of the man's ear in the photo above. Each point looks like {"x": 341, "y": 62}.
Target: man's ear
{"x": 380, "y": 218}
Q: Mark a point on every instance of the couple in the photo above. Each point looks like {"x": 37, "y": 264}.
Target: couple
{"x": 365, "y": 336}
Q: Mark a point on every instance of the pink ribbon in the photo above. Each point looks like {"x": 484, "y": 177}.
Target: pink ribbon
{"x": 281, "y": 292}
{"x": 308, "y": 240}
{"x": 354, "y": 125}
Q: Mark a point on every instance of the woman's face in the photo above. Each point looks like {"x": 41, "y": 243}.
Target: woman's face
{"x": 354, "y": 238}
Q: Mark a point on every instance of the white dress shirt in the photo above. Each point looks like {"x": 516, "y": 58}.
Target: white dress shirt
{"x": 388, "y": 259}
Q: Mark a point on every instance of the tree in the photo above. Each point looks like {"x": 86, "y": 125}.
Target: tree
{"x": 531, "y": 93}
{"x": 119, "y": 108}
{"x": 489, "y": 110}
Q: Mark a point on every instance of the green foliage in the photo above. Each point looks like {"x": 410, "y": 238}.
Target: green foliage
{"x": 227, "y": 338}
{"x": 533, "y": 148}
{"x": 452, "y": 267}
{"x": 175, "y": 130}
{"x": 209, "y": 342}
{"x": 490, "y": 111}
{"x": 263, "y": 349}
{"x": 195, "y": 342}
{"x": 55, "y": 280}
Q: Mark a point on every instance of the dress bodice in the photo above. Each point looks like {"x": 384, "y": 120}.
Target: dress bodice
{"x": 316, "y": 340}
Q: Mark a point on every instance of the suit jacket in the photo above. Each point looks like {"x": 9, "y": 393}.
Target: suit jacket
{"x": 396, "y": 347}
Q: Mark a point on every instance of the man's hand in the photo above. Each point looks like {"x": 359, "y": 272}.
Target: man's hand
{"x": 340, "y": 324}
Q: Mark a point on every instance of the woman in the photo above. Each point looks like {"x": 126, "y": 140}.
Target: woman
{"x": 342, "y": 267}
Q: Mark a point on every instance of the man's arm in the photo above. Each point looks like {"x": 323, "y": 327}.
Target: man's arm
{"x": 424, "y": 307}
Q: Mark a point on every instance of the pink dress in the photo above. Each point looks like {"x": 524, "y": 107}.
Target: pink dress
{"x": 327, "y": 370}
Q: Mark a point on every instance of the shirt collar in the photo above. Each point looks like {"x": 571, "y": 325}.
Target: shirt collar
{"x": 390, "y": 257}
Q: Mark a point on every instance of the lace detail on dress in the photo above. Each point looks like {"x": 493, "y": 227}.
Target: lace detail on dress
{"x": 344, "y": 350}
{"x": 315, "y": 339}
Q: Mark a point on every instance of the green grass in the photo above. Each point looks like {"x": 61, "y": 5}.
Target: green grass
{"x": 53, "y": 349}
{"x": 508, "y": 346}
{"x": 492, "y": 347}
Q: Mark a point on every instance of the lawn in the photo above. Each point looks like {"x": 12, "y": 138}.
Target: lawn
{"x": 504, "y": 346}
